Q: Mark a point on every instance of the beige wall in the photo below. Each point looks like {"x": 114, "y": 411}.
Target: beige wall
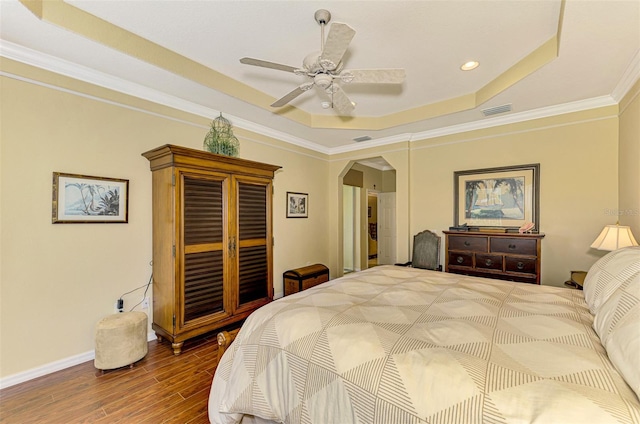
{"x": 629, "y": 178}
{"x": 388, "y": 181}
{"x": 57, "y": 281}
{"x": 578, "y": 155}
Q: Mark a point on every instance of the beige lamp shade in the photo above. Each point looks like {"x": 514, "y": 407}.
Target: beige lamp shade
{"x": 614, "y": 237}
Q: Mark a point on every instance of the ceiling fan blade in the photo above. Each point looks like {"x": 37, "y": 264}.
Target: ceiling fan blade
{"x": 265, "y": 64}
{"x": 373, "y": 76}
{"x": 341, "y": 102}
{"x": 338, "y": 40}
{"x": 292, "y": 95}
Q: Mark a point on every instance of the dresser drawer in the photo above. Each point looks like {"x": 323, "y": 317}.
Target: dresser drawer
{"x": 492, "y": 254}
{"x": 514, "y": 246}
{"x": 489, "y": 262}
{"x": 524, "y": 265}
{"x": 475, "y": 244}
{"x": 461, "y": 259}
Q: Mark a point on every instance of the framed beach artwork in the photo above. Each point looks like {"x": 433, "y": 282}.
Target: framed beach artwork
{"x": 505, "y": 197}
{"x": 82, "y": 199}
{"x": 297, "y": 205}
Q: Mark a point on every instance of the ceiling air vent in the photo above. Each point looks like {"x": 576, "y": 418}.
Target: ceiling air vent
{"x": 362, "y": 138}
{"x": 496, "y": 110}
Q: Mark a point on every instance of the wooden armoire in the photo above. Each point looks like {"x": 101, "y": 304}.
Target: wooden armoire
{"x": 212, "y": 241}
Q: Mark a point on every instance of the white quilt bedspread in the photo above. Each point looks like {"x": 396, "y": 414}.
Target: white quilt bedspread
{"x": 402, "y": 345}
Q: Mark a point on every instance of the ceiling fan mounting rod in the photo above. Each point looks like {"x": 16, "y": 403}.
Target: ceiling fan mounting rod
{"x": 322, "y": 17}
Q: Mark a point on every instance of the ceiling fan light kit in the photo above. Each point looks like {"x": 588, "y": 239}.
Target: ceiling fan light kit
{"x": 324, "y": 68}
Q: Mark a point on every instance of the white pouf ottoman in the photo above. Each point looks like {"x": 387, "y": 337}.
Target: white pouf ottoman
{"x": 121, "y": 340}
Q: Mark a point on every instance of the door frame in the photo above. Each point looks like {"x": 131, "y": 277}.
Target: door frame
{"x": 372, "y": 193}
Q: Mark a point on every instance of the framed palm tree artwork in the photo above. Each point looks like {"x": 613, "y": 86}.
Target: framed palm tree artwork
{"x": 81, "y": 199}
{"x": 498, "y": 198}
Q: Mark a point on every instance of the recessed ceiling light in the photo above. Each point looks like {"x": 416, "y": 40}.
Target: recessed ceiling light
{"x": 470, "y": 65}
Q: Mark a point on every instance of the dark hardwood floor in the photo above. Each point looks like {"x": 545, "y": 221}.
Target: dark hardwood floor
{"x": 160, "y": 388}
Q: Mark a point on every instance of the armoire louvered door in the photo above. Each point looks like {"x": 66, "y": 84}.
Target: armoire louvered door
{"x": 203, "y": 248}
{"x": 254, "y": 244}
{"x": 212, "y": 241}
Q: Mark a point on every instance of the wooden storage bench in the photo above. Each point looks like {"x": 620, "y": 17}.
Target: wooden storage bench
{"x": 296, "y": 280}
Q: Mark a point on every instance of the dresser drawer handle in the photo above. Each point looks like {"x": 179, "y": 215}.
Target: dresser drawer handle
{"x": 488, "y": 262}
{"x": 512, "y": 247}
{"x": 520, "y": 265}
{"x": 459, "y": 259}
{"x": 466, "y": 243}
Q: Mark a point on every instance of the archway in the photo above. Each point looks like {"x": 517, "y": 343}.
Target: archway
{"x": 366, "y": 230}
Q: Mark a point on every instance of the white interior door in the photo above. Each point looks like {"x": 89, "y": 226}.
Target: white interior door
{"x": 386, "y": 228}
{"x": 351, "y": 228}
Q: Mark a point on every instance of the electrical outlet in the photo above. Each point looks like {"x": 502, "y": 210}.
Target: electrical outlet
{"x": 145, "y": 303}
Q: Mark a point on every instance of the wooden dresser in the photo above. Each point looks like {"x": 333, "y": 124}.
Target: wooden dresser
{"x": 505, "y": 256}
{"x": 212, "y": 241}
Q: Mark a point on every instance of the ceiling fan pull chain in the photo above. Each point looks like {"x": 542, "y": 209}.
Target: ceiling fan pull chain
{"x": 332, "y": 97}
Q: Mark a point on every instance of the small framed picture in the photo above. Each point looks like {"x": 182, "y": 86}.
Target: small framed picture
{"x": 81, "y": 199}
{"x": 297, "y": 205}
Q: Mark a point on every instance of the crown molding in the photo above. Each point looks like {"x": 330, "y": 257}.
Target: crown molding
{"x": 371, "y": 144}
{"x": 71, "y": 70}
{"x": 82, "y": 73}
{"x": 529, "y": 115}
{"x": 628, "y": 79}
{"x": 544, "y": 112}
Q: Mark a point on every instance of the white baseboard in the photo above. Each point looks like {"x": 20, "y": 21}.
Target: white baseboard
{"x": 52, "y": 367}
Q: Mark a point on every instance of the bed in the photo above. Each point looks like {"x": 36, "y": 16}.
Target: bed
{"x": 404, "y": 345}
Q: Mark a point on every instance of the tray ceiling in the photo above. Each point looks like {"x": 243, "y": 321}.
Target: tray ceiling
{"x": 534, "y": 55}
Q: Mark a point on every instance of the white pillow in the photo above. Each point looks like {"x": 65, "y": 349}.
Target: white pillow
{"x": 623, "y": 349}
{"x": 608, "y": 273}
{"x": 618, "y": 306}
{"x": 618, "y": 325}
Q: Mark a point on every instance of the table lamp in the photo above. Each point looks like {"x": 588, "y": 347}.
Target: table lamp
{"x": 614, "y": 237}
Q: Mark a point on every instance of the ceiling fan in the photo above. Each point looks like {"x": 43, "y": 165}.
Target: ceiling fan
{"x": 324, "y": 68}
